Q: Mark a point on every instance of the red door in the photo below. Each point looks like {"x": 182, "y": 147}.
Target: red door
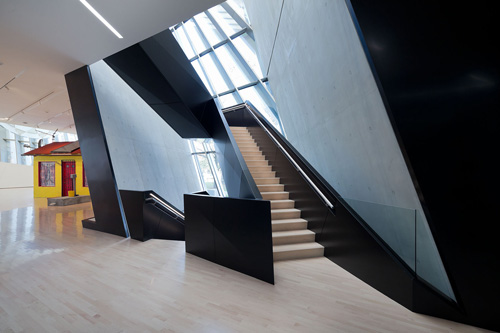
{"x": 68, "y": 168}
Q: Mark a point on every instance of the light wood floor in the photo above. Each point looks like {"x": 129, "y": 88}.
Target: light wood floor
{"x": 57, "y": 277}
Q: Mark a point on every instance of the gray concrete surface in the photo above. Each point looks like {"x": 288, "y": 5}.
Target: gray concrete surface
{"x": 333, "y": 114}
{"x": 146, "y": 153}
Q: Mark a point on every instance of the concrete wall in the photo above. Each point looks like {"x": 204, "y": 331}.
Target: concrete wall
{"x": 328, "y": 100}
{"x": 15, "y": 175}
{"x": 145, "y": 152}
{"x": 333, "y": 114}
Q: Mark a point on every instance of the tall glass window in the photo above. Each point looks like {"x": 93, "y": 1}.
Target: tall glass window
{"x": 205, "y": 160}
{"x": 15, "y": 140}
{"x": 219, "y": 43}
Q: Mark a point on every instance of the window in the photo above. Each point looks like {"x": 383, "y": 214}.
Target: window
{"x": 85, "y": 183}
{"x": 219, "y": 42}
{"x": 209, "y": 170}
{"x": 46, "y": 174}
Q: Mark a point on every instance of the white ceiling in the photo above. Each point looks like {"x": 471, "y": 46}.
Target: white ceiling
{"x": 42, "y": 40}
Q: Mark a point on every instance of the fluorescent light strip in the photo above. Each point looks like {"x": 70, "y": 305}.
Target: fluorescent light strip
{"x": 102, "y": 19}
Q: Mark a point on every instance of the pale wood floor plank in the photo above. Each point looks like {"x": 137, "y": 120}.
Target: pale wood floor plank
{"x": 57, "y": 277}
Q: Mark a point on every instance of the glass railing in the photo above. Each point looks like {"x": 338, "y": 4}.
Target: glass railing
{"x": 407, "y": 233}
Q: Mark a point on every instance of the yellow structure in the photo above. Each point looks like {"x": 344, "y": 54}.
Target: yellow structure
{"x": 53, "y": 167}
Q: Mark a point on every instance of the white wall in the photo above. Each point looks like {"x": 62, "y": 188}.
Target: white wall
{"x": 15, "y": 175}
{"x": 146, "y": 153}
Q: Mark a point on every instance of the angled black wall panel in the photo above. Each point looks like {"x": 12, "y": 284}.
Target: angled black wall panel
{"x": 135, "y": 67}
{"x": 235, "y": 233}
{"x": 158, "y": 70}
{"x": 106, "y": 201}
{"x": 437, "y": 66}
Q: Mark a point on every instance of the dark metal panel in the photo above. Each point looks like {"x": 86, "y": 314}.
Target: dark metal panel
{"x": 106, "y": 201}
{"x": 199, "y": 213}
{"x": 243, "y": 237}
{"x": 160, "y": 73}
{"x": 146, "y": 220}
{"x": 132, "y": 205}
{"x": 351, "y": 247}
{"x": 438, "y": 71}
{"x": 171, "y": 62}
{"x": 235, "y": 233}
{"x": 135, "y": 67}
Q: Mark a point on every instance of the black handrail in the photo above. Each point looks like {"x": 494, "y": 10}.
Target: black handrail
{"x": 164, "y": 205}
{"x": 313, "y": 178}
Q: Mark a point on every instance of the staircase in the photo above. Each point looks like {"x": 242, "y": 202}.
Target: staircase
{"x": 291, "y": 238}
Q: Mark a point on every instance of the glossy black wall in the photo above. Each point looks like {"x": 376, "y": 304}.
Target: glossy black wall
{"x": 348, "y": 240}
{"x": 235, "y": 233}
{"x": 146, "y": 220}
{"x": 106, "y": 201}
{"x": 437, "y": 65}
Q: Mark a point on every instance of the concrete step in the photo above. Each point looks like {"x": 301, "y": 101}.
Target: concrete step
{"x": 293, "y": 236}
{"x": 284, "y": 214}
{"x": 297, "y": 251}
{"x": 288, "y": 224}
{"x": 271, "y": 187}
{"x": 263, "y": 181}
{"x": 274, "y": 195}
{"x": 282, "y": 204}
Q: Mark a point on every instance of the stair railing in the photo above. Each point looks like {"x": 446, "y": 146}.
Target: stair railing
{"x": 166, "y": 206}
{"x": 290, "y": 158}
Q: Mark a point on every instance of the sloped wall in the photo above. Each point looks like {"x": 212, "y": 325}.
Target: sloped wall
{"x": 146, "y": 153}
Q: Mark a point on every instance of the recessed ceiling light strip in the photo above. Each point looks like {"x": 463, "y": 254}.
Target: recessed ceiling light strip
{"x": 15, "y": 77}
{"x": 29, "y": 107}
{"x": 102, "y": 19}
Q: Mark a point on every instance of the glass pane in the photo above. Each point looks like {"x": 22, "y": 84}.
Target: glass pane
{"x": 256, "y": 96}
{"x": 429, "y": 264}
{"x": 209, "y": 64}
{"x": 209, "y": 143}
{"x": 194, "y": 34}
{"x": 203, "y": 77}
{"x": 395, "y": 225}
{"x": 208, "y": 29}
{"x": 239, "y": 7}
{"x": 7, "y": 147}
{"x": 246, "y": 47}
{"x": 218, "y": 174}
{"x": 268, "y": 87}
{"x": 198, "y": 145}
{"x": 229, "y": 100}
{"x": 208, "y": 177}
{"x": 226, "y": 22}
{"x": 183, "y": 41}
{"x": 233, "y": 66}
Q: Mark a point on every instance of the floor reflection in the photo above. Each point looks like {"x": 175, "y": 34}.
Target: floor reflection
{"x": 21, "y": 228}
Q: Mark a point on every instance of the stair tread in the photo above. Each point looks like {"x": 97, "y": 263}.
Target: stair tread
{"x": 283, "y": 210}
{"x": 287, "y": 233}
{"x": 282, "y": 200}
{"x": 297, "y": 246}
{"x": 295, "y": 220}
{"x": 280, "y": 192}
